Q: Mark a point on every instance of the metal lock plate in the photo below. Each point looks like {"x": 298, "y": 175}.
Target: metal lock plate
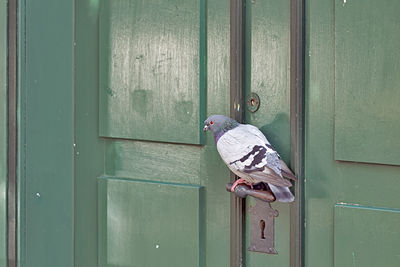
{"x": 262, "y": 227}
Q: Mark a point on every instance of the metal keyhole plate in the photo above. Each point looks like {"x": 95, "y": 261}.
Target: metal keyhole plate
{"x": 262, "y": 227}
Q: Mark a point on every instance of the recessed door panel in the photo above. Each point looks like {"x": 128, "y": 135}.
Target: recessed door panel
{"x": 146, "y": 223}
{"x": 367, "y": 81}
{"x": 152, "y": 70}
{"x": 366, "y": 236}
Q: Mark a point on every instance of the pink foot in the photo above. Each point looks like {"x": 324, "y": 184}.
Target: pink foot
{"x": 240, "y": 181}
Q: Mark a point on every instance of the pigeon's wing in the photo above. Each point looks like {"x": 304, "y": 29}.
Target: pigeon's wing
{"x": 284, "y": 168}
{"x": 270, "y": 171}
{"x": 245, "y": 151}
{"x": 238, "y": 145}
{"x": 270, "y": 177}
{"x": 286, "y": 171}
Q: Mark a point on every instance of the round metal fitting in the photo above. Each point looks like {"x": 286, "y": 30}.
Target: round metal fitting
{"x": 253, "y": 102}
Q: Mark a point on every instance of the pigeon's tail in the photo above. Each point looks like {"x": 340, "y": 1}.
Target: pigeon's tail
{"x": 282, "y": 193}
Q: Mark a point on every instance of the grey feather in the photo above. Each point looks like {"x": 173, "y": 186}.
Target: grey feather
{"x": 286, "y": 171}
{"x": 281, "y": 193}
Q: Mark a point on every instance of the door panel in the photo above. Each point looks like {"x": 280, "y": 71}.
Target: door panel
{"x": 366, "y": 236}
{"x": 144, "y": 223}
{"x": 330, "y": 182}
{"x": 152, "y": 79}
{"x": 367, "y": 82}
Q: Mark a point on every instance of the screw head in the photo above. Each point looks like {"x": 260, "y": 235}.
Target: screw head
{"x": 253, "y": 102}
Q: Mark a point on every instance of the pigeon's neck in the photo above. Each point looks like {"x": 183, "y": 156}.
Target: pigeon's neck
{"x": 229, "y": 125}
{"x": 218, "y": 135}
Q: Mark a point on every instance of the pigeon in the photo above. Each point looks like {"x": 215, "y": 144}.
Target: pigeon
{"x": 249, "y": 155}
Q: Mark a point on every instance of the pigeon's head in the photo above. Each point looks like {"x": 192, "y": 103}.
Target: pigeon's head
{"x": 215, "y": 123}
{"x": 219, "y": 124}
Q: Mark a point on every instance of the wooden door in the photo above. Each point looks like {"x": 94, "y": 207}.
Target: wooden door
{"x": 352, "y": 130}
{"x": 114, "y": 169}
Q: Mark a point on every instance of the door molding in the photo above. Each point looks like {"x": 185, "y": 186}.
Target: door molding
{"x": 237, "y": 212}
{"x": 12, "y": 134}
{"x": 297, "y": 96}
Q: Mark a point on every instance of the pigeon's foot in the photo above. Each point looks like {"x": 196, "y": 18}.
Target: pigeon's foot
{"x": 240, "y": 181}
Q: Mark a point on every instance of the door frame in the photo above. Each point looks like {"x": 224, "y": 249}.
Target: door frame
{"x": 21, "y": 137}
{"x": 11, "y": 180}
{"x": 297, "y": 131}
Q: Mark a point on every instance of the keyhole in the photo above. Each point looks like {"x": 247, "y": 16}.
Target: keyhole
{"x": 262, "y": 226}
{"x": 252, "y": 102}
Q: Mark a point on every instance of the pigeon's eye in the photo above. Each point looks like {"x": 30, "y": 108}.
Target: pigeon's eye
{"x": 211, "y": 122}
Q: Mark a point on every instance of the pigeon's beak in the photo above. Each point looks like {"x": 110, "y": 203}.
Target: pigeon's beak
{"x": 206, "y": 127}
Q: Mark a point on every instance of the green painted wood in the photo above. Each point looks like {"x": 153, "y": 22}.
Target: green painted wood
{"x": 3, "y": 132}
{"x": 213, "y": 174}
{"x": 151, "y": 161}
{"x": 150, "y": 223}
{"x": 367, "y": 84}
{"x": 267, "y": 74}
{"x": 366, "y": 236}
{"x": 89, "y": 148}
{"x": 329, "y": 181}
{"x": 21, "y": 111}
{"x": 148, "y": 161}
{"x": 152, "y": 69}
{"x": 46, "y": 120}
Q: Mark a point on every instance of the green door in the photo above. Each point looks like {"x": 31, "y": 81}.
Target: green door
{"x": 147, "y": 75}
{"x": 352, "y": 133}
{"x": 115, "y": 170}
